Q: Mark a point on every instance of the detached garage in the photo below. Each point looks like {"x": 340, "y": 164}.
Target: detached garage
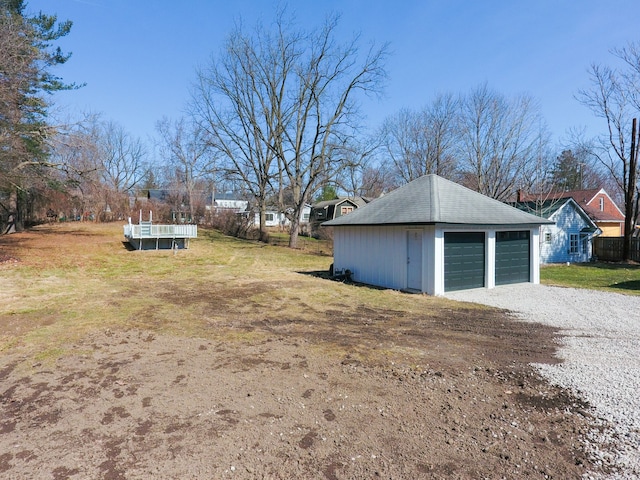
{"x": 435, "y": 236}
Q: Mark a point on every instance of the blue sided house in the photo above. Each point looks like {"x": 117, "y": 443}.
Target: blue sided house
{"x": 568, "y": 239}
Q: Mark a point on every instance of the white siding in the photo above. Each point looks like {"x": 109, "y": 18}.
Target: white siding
{"x": 375, "y": 255}
{"x": 378, "y": 255}
{"x": 438, "y": 263}
{"x": 280, "y": 219}
{"x": 272, "y": 219}
{"x": 534, "y": 255}
{"x": 237, "y": 205}
{"x": 490, "y": 259}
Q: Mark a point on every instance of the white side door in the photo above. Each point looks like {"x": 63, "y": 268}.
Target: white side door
{"x": 414, "y": 259}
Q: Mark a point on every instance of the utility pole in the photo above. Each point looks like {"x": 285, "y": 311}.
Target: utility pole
{"x": 629, "y": 204}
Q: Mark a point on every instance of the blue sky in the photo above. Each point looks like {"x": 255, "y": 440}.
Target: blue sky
{"x": 138, "y": 58}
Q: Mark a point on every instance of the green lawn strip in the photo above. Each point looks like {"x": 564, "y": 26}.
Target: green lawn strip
{"x": 611, "y": 277}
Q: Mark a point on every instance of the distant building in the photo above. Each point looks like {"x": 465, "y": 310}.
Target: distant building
{"x": 596, "y": 203}
{"x": 274, "y": 218}
{"x": 568, "y": 239}
{"x": 332, "y": 209}
{"x": 230, "y": 201}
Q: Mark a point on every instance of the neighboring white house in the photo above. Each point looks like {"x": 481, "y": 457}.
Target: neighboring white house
{"x": 279, "y": 219}
{"x": 433, "y": 235}
{"x": 569, "y": 238}
{"x": 230, "y": 202}
{"x": 272, "y": 219}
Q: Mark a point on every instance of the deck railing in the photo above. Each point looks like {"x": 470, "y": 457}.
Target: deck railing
{"x": 160, "y": 231}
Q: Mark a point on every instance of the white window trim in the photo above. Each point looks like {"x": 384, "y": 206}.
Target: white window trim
{"x": 574, "y": 243}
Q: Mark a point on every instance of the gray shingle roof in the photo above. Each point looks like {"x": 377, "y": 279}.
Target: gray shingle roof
{"x": 357, "y": 201}
{"x": 541, "y": 209}
{"x": 432, "y": 199}
{"x": 548, "y": 208}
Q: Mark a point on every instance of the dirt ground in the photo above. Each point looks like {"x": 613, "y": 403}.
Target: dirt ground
{"x": 137, "y": 404}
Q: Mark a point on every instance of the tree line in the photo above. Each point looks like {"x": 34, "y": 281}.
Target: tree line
{"x": 276, "y": 115}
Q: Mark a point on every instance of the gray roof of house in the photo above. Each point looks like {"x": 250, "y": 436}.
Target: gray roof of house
{"x": 357, "y": 201}
{"x": 432, "y": 199}
{"x": 550, "y": 207}
{"x": 544, "y": 208}
{"x": 229, "y": 196}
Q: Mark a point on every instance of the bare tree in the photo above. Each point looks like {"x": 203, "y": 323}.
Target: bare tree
{"x": 121, "y": 157}
{"x": 404, "y": 138}
{"x": 614, "y": 96}
{"x": 187, "y": 149}
{"x": 441, "y": 117}
{"x": 630, "y": 55}
{"x": 100, "y": 164}
{"x": 322, "y": 113}
{"x": 500, "y": 143}
{"x": 376, "y": 181}
{"x": 289, "y": 98}
{"x": 236, "y": 101}
{"x": 75, "y": 149}
{"x": 357, "y": 158}
{"x": 538, "y": 188}
{"x": 121, "y": 165}
{"x": 422, "y": 142}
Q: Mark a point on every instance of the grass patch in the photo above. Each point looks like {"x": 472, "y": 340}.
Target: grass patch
{"x": 47, "y": 356}
{"x": 306, "y": 243}
{"x": 612, "y": 277}
{"x": 72, "y": 279}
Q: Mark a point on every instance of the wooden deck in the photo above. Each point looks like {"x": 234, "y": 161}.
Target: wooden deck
{"x": 147, "y": 236}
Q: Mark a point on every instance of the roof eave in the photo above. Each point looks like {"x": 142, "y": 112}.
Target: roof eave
{"x": 443, "y": 224}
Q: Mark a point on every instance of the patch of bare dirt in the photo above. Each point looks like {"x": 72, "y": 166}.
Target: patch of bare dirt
{"x": 136, "y": 404}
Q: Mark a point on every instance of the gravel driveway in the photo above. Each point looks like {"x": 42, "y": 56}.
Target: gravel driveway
{"x": 601, "y": 353}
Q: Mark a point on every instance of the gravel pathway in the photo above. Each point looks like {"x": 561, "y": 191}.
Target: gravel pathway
{"x": 601, "y": 353}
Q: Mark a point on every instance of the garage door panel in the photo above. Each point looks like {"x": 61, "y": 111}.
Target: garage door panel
{"x": 513, "y": 257}
{"x": 464, "y": 260}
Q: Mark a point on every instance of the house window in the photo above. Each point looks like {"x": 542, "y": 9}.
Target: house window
{"x": 268, "y": 217}
{"x": 345, "y": 210}
{"x": 547, "y": 237}
{"x": 305, "y": 217}
{"x": 574, "y": 245}
{"x": 601, "y": 204}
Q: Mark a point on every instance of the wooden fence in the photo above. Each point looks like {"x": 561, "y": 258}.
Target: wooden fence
{"x": 609, "y": 249}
